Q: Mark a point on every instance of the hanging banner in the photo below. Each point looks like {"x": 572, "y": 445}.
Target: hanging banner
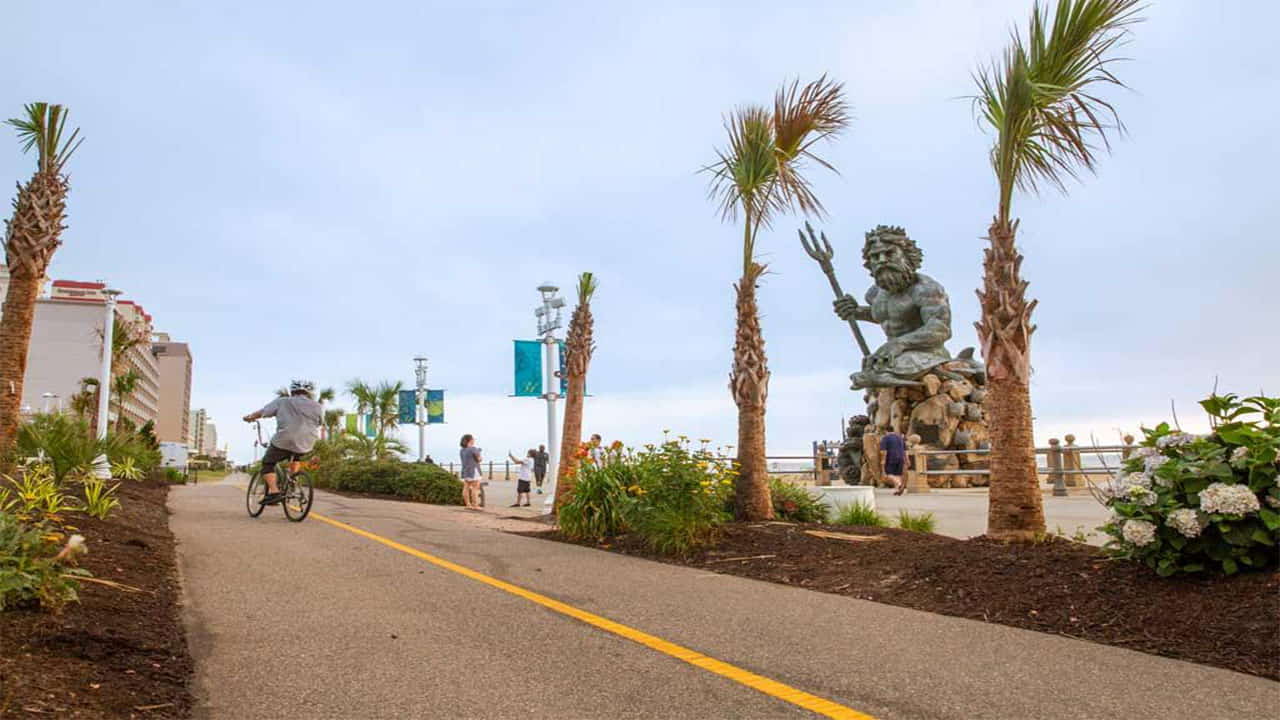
{"x": 564, "y": 371}
{"x": 528, "y": 368}
{"x": 435, "y": 407}
{"x": 352, "y": 423}
{"x": 408, "y": 407}
{"x": 370, "y": 427}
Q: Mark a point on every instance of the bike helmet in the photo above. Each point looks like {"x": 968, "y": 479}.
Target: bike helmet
{"x": 304, "y": 385}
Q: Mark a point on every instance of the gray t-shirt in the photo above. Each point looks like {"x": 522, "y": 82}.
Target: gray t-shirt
{"x": 470, "y": 463}
{"x": 298, "y": 421}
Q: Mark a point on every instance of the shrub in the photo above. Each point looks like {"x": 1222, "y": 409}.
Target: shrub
{"x": 1184, "y": 503}
{"x": 174, "y": 476}
{"x": 32, "y": 568}
{"x": 424, "y": 483}
{"x": 861, "y": 514}
{"x": 34, "y": 496}
{"x": 923, "y": 522}
{"x": 597, "y": 508}
{"x": 796, "y": 504}
{"x": 100, "y": 500}
{"x": 671, "y": 496}
{"x": 62, "y": 442}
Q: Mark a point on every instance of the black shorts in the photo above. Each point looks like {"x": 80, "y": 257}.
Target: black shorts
{"x": 893, "y": 467}
{"x": 539, "y": 473}
{"x": 522, "y": 486}
{"x": 275, "y": 456}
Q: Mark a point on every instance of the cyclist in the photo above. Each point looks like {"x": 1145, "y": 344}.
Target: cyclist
{"x": 298, "y": 418}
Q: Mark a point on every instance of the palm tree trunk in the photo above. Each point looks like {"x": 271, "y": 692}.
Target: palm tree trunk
{"x": 570, "y": 438}
{"x": 749, "y": 385}
{"x": 1015, "y": 509}
{"x": 15, "y": 338}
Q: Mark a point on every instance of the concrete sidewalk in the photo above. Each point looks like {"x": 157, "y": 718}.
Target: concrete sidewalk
{"x": 312, "y": 621}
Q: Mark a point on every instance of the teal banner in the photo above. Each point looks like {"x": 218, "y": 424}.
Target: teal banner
{"x": 435, "y": 407}
{"x": 564, "y": 371}
{"x": 408, "y": 407}
{"x": 528, "y": 368}
{"x": 370, "y": 427}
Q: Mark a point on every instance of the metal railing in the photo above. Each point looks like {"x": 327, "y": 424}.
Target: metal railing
{"x": 1063, "y": 466}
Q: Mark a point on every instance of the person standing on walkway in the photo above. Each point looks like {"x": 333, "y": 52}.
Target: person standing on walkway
{"x": 893, "y": 458}
{"x": 526, "y": 472}
{"x": 470, "y": 456}
{"x": 597, "y": 450}
{"x": 540, "y": 461}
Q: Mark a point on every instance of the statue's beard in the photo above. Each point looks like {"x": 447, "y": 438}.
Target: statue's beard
{"x": 895, "y": 279}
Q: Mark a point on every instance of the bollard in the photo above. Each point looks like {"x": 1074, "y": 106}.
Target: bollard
{"x": 1055, "y": 469}
{"x": 490, "y": 475}
{"x": 507, "y": 473}
{"x": 916, "y": 481}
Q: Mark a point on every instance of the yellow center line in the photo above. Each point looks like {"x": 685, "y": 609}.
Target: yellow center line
{"x": 760, "y": 683}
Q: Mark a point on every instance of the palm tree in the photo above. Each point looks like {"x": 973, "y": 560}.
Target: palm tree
{"x": 759, "y": 175}
{"x": 333, "y": 423}
{"x": 122, "y": 386}
{"x": 1039, "y": 99}
{"x": 386, "y": 406}
{"x": 579, "y": 346}
{"x": 325, "y": 395}
{"x": 372, "y": 448}
{"x": 84, "y": 402}
{"x": 363, "y": 394}
{"x": 31, "y": 237}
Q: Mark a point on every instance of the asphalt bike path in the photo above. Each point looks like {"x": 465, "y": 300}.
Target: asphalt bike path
{"x": 383, "y": 609}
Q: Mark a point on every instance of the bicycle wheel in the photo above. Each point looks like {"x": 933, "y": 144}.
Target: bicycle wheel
{"x": 297, "y": 502}
{"x": 254, "y": 494}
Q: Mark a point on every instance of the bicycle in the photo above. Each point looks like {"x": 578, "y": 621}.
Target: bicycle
{"x": 297, "y": 488}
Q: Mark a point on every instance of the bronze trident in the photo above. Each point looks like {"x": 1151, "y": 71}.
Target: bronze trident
{"x": 822, "y": 253}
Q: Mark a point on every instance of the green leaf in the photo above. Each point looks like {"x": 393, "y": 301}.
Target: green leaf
{"x": 1262, "y": 537}
{"x": 1230, "y": 567}
{"x": 1193, "y": 567}
{"x": 1270, "y": 518}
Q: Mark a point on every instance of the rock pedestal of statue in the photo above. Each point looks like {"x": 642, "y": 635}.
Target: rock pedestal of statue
{"x": 946, "y": 414}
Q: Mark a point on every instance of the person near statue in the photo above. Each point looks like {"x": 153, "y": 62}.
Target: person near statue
{"x": 893, "y": 458}
{"x": 540, "y": 462}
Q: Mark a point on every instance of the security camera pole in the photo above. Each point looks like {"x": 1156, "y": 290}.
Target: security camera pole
{"x": 548, "y": 322}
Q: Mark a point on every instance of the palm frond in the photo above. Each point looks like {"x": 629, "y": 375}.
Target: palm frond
{"x": 587, "y": 285}
{"x": 42, "y": 128}
{"x": 1039, "y": 97}
{"x": 760, "y": 172}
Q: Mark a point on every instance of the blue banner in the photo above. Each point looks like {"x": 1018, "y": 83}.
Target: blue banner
{"x": 528, "y": 368}
{"x": 408, "y": 407}
{"x": 564, "y": 371}
{"x": 435, "y": 407}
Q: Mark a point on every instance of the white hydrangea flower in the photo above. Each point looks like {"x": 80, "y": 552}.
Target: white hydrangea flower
{"x": 1140, "y": 495}
{"x": 1146, "y": 452}
{"x": 1163, "y": 482}
{"x": 1185, "y": 521}
{"x": 1175, "y": 439}
{"x": 1228, "y": 499}
{"x": 1141, "y": 479}
{"x": 1239, "y": 455}
{"x": 1154, "y": 462}
{"x": 1139, "y": 532}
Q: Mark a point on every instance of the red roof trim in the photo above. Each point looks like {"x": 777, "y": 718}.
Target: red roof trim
{"x": 78, "y": 284}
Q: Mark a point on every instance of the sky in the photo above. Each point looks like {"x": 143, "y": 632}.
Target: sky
{"x": 325, "y": 190}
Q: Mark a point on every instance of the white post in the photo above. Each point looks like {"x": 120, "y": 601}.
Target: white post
{"x": 102, "y": 466}
{"x": 552, "y": 394}
{"x": 420, "y": 405}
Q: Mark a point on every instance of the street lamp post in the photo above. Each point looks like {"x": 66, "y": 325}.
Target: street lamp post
{"x": 549, "y": 321}
{"x": 102, "y": 466}
{"x": 419, "y": 408}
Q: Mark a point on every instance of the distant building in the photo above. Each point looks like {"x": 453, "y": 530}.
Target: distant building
{"x": 195, "y": 429}
{"x": 66, "y": 348}
{"x": 173, "y": 422}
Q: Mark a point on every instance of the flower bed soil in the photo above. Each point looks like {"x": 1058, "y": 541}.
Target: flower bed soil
{"x": 113, "y": 654}
{"x": 1056, "y": 586}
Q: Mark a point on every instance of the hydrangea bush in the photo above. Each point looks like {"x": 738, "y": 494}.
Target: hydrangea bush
{"x": 1187, "y": 503}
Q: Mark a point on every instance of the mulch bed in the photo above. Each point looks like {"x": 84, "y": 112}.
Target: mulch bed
{"x": 1056, "y": 586}
{"x": 113, "y": 654}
